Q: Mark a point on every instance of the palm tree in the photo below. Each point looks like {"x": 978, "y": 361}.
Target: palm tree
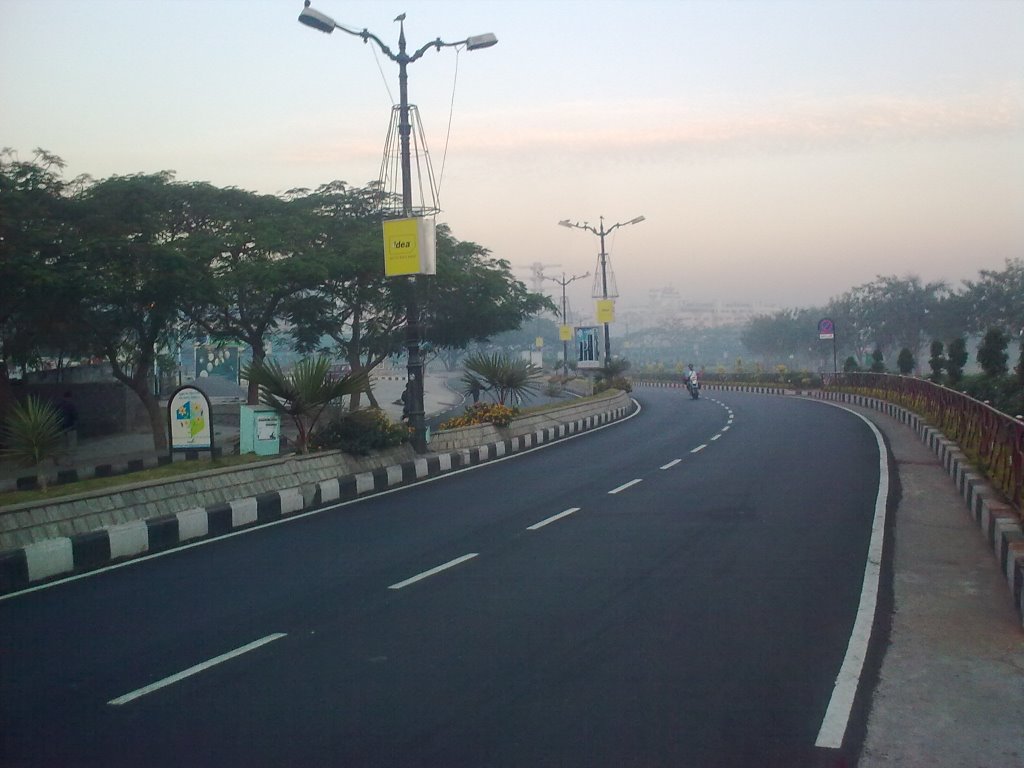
{"x": 303, "y": 393}
{"x": 509, "y": 378}
{"x": 33, "y": 434}
{"x": 472, "y": 386}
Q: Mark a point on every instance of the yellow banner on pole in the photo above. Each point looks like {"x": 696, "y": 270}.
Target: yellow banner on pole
{"x": 409, "y": 247}
{"x": 605, "y": 311}
{"x": 565, "y": 333}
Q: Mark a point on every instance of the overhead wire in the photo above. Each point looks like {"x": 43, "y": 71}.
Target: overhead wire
{"x": 451, "y": 113}
{"x": 383, "y": 77}
{"x": 451, "y": 109}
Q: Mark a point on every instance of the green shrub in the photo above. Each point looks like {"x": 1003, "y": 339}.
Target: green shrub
{"x": 1003, "y": 393}
{"x": 33, "y": 434}
{"x": 905, "y": 362}
{"x": 615, "y": 382}
{"x": 992, "y": 356}
{"x": 359, "y": 433}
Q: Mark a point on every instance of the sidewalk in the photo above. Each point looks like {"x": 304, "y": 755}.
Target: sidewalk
{"x": 951, "y": 687}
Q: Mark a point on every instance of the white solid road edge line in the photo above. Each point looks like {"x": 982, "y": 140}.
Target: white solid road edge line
{"x": 432, "y": 571}
{"x": 194, "y": 670}
{"x": 837, "y": 716}
{"x": 552, "y": 519}
{"x": 624, "y": 486}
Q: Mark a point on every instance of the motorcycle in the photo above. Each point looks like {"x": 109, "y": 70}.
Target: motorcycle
{"x": 694, "y": 387}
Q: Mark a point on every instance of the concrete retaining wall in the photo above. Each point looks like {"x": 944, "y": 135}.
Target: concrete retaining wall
{"x": 92, "y": 530}
{"x": 480, "y": 434}
{"x": 23, "y": 524}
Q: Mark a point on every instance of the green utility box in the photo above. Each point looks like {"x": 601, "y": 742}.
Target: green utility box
{"x": 259, "y": 430}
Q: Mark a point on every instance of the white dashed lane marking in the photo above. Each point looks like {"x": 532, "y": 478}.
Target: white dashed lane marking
{"x": 194, "y": 670}
{"x": 549, "y": 520}
{"x": 433, "y": 571}
{"x": 624, "y": 486}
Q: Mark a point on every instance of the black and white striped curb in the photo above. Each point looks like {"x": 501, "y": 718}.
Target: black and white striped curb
{"x": 74, "y": 474}
{"x": 54, "y": 558}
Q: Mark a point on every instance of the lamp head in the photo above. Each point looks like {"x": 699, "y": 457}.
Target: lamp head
{"x": 637, "y": 220}
{"x": 313, "y": 18}
{"x": 477, "y": 42}
{"x": 565, "y": 223}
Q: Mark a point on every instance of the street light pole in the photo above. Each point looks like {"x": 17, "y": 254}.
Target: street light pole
{"x": 565, "y": 344}
{"x": 601, "y": 232}
{"x": 320, "y": 21}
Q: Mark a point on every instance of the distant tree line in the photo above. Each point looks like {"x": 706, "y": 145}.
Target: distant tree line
{"x": 125, "y": 268}
{"x": 896, "y": 319}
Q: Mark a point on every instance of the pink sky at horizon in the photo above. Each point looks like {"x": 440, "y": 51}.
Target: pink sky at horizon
{"x": 782, "y": 152}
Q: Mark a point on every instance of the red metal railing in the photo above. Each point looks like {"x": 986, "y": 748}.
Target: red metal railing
{"x": 992, "y": 440}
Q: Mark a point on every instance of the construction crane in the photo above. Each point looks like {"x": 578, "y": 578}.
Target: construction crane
{"x": 537, "y": 275}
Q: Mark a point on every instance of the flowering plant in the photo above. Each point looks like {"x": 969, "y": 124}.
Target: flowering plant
{"x": 483, "y": 413}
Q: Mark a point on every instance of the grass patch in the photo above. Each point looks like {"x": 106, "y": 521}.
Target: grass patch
{"x": 566, "y": 402}
{"x": 177, "y": 469}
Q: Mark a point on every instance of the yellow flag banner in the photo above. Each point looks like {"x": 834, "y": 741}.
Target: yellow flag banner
{"x": 409, "y": 247}
{"x": 605, "y": 311}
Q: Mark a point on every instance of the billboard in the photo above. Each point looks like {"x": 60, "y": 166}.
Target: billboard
{"x": 217, "y": 360}
{"x": 410, "y": 246}
{"x": 189, "y": 420}
{"x": 588, "y": 346}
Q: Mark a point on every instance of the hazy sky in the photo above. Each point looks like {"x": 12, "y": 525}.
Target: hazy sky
{"x": 781, "y": 151}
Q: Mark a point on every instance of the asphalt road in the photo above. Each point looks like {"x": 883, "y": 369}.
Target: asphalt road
{"x": 676, "y": 590}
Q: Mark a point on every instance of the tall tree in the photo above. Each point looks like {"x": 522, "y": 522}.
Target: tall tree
{"x": 992, "y": 354}
{"x": 35, "y": 238}
{"x": 364, "y": 314}
{"x": 788, "y": 333}
{"x": 134, "y": 275}
{"x": 996, "y": 299}
{"x": 255, "y": 255}
{"x": 956, "y": 359}
{"x": 474, "y": 296}
{"x": 355, "y": 313}
{"x": 1019, "y": 368}
{"x": 894, "y": 312}
{"x": 937, "y": 362}
{"x": 905, "y": 362}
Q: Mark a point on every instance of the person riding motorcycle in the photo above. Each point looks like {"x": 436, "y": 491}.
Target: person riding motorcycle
{"x": 692, "y": 383}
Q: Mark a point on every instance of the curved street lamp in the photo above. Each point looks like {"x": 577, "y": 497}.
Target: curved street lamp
{"x": 565, "y": 321}
{"x": 601, "y": 232}
{"x": 321, "y": 21}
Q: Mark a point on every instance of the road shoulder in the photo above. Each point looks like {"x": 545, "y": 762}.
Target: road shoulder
{"x": 951, "y": 686}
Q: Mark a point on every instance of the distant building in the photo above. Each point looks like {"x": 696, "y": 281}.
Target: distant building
{"x": 665, "y": 308}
